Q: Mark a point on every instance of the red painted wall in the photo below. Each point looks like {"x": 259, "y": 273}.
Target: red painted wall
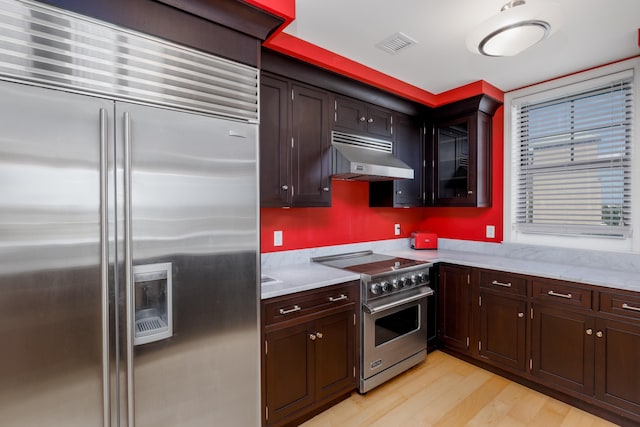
{"x": 350, "y": 220}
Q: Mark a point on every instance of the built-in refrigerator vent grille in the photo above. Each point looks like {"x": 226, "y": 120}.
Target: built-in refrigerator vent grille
{"x": 52, "y": 47}
{"x": 362, "y": 141}
{"x": 396, "y": 43}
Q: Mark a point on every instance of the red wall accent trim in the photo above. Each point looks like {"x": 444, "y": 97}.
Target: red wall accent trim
{"x": 305, "y": 51}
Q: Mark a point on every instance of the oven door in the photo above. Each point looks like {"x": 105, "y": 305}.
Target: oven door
{"x": 394, "y": 329}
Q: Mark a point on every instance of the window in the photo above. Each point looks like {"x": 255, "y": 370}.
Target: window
{"x": 570, "y": 169}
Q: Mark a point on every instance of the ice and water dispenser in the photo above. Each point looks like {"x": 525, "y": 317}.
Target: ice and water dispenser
{"x": 153, "y": 302}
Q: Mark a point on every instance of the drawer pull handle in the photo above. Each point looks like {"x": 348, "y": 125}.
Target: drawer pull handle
{"x": 630, "y": 307}
{"x": 555, "y": 294}
{"x": 340, "y": 298}
{"x": 291, "y": 310}
{"x": 506, "y": 285}
{"x": 589, "y": 331}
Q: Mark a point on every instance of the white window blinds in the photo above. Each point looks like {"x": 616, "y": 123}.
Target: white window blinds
{"x": 572, "y": 158}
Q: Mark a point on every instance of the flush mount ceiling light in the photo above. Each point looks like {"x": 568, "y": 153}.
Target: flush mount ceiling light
{"x": 517, "y": 27}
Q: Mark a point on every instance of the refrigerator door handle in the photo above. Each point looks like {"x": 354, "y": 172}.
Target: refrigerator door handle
{"x": 128, "y": 268}
{"x": 104, "y": 267}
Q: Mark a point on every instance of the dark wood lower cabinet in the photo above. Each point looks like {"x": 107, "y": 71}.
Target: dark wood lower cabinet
{"x": 576, "y": 342}
{"x": 503, "y": 328}
{"x": 562, "y": 348}
{"x": 617, "y": 364}
{"x": 309, "y": 357}
{"x": 454, "y": 298}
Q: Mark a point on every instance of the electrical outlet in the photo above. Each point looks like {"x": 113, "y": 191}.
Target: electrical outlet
{"x": 491, "y": 232}
{"x": 396, "y": 229}
{"x": 277, "y": 238}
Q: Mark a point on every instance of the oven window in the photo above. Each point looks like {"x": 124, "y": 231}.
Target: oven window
{"x": 397, "y": 324}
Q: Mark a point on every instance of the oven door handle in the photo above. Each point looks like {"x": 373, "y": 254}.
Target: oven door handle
{"x": 422, "y": 293}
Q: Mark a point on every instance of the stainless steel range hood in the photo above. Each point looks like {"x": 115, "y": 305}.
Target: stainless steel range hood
{"x": 361, "y": 158}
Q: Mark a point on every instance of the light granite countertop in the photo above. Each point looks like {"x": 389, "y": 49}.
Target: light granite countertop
{"x": 294, "y": 272}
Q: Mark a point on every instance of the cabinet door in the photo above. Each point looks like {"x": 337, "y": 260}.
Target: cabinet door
{"x": 335, "y": 354}
{"x": 455, "y": 306}
{"x": 407, "y": 147}
{"x": 379, "y": 122}
{"x": 454, "y": 166}
{"x": 311, "y": 160}
{"x": 350, "y": 114}
{"x": 503, "y": 327}
{"x": 274, "y": 146}
{"x": 617, "y": 350}
{"x": 289, "y": 371}
{"x": 562, "y": 348}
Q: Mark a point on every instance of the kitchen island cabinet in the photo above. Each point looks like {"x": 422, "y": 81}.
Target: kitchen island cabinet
{"x": 309, "y": 357}
{"x": 295, "y": 161}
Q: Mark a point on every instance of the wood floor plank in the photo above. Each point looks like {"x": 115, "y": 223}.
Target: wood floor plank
{"x": 448, "y": 392}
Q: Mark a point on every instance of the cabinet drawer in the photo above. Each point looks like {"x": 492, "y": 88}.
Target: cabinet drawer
{"x": 621, "y": 304}
{"x": 513, "y": 284}
{"x": 300, "y": 304}
{"x": 562, "y": 293}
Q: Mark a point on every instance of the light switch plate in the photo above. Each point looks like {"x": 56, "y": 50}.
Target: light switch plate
{"x": 396, "y": 229}
{"x": 277, "y": 238}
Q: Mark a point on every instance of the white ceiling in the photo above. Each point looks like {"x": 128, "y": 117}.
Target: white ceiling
{"x": 594, "y": 32}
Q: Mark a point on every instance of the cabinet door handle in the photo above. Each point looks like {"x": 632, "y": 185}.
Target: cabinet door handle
{"x": 589, "y": 331}
{"x": 370, "y": 120}
{"x": 555, "y": 294}
{"x": 506, "y": 285}
{"x": 599, "y": 334}
{"x": 630, "y": 307}
{"x": 325, "y": 189}
{"x": 312, "y": 337}
{"x": 363, "y": 118}
{"x": 399, "y": 192}
{"x": 340, "y": 298}
{"x": 520, "y": 315}
{"x": 285, "y": 187}
{"x": 291, "y": 310}
{"x": 470, "y": 192}
{"x": 319, "y": 335}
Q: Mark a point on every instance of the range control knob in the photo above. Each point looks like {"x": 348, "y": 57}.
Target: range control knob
{"x": 395, "y": 284}
{"x": 424, "y": 278}
{"x": 386, "y": 286}
{"x": 414, "y": 280}
{"x": 375, "y": 288}
{"x": 401, "y": 282}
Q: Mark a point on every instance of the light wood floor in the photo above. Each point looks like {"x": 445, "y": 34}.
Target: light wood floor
{"x": 445, "y": 391}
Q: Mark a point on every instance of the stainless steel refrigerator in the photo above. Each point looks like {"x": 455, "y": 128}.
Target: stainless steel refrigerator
{"x": 128, "y": 263}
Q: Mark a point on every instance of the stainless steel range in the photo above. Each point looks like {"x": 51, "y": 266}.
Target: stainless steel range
{"x": 393, "y": 328}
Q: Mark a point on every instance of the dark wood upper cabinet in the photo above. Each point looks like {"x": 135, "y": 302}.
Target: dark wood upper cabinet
{"x": 460, "y": 150}
{"x": 274, "y": 136}
{"x": 408, "y": 146}
{"x": 295, "y": 159}
{"x": 367, "y": 119}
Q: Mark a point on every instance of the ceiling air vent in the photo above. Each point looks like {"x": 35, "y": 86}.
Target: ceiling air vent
{"x": 396, "y": 43}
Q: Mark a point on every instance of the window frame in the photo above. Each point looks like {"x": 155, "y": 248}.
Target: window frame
{"x": 572, "y": 84}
